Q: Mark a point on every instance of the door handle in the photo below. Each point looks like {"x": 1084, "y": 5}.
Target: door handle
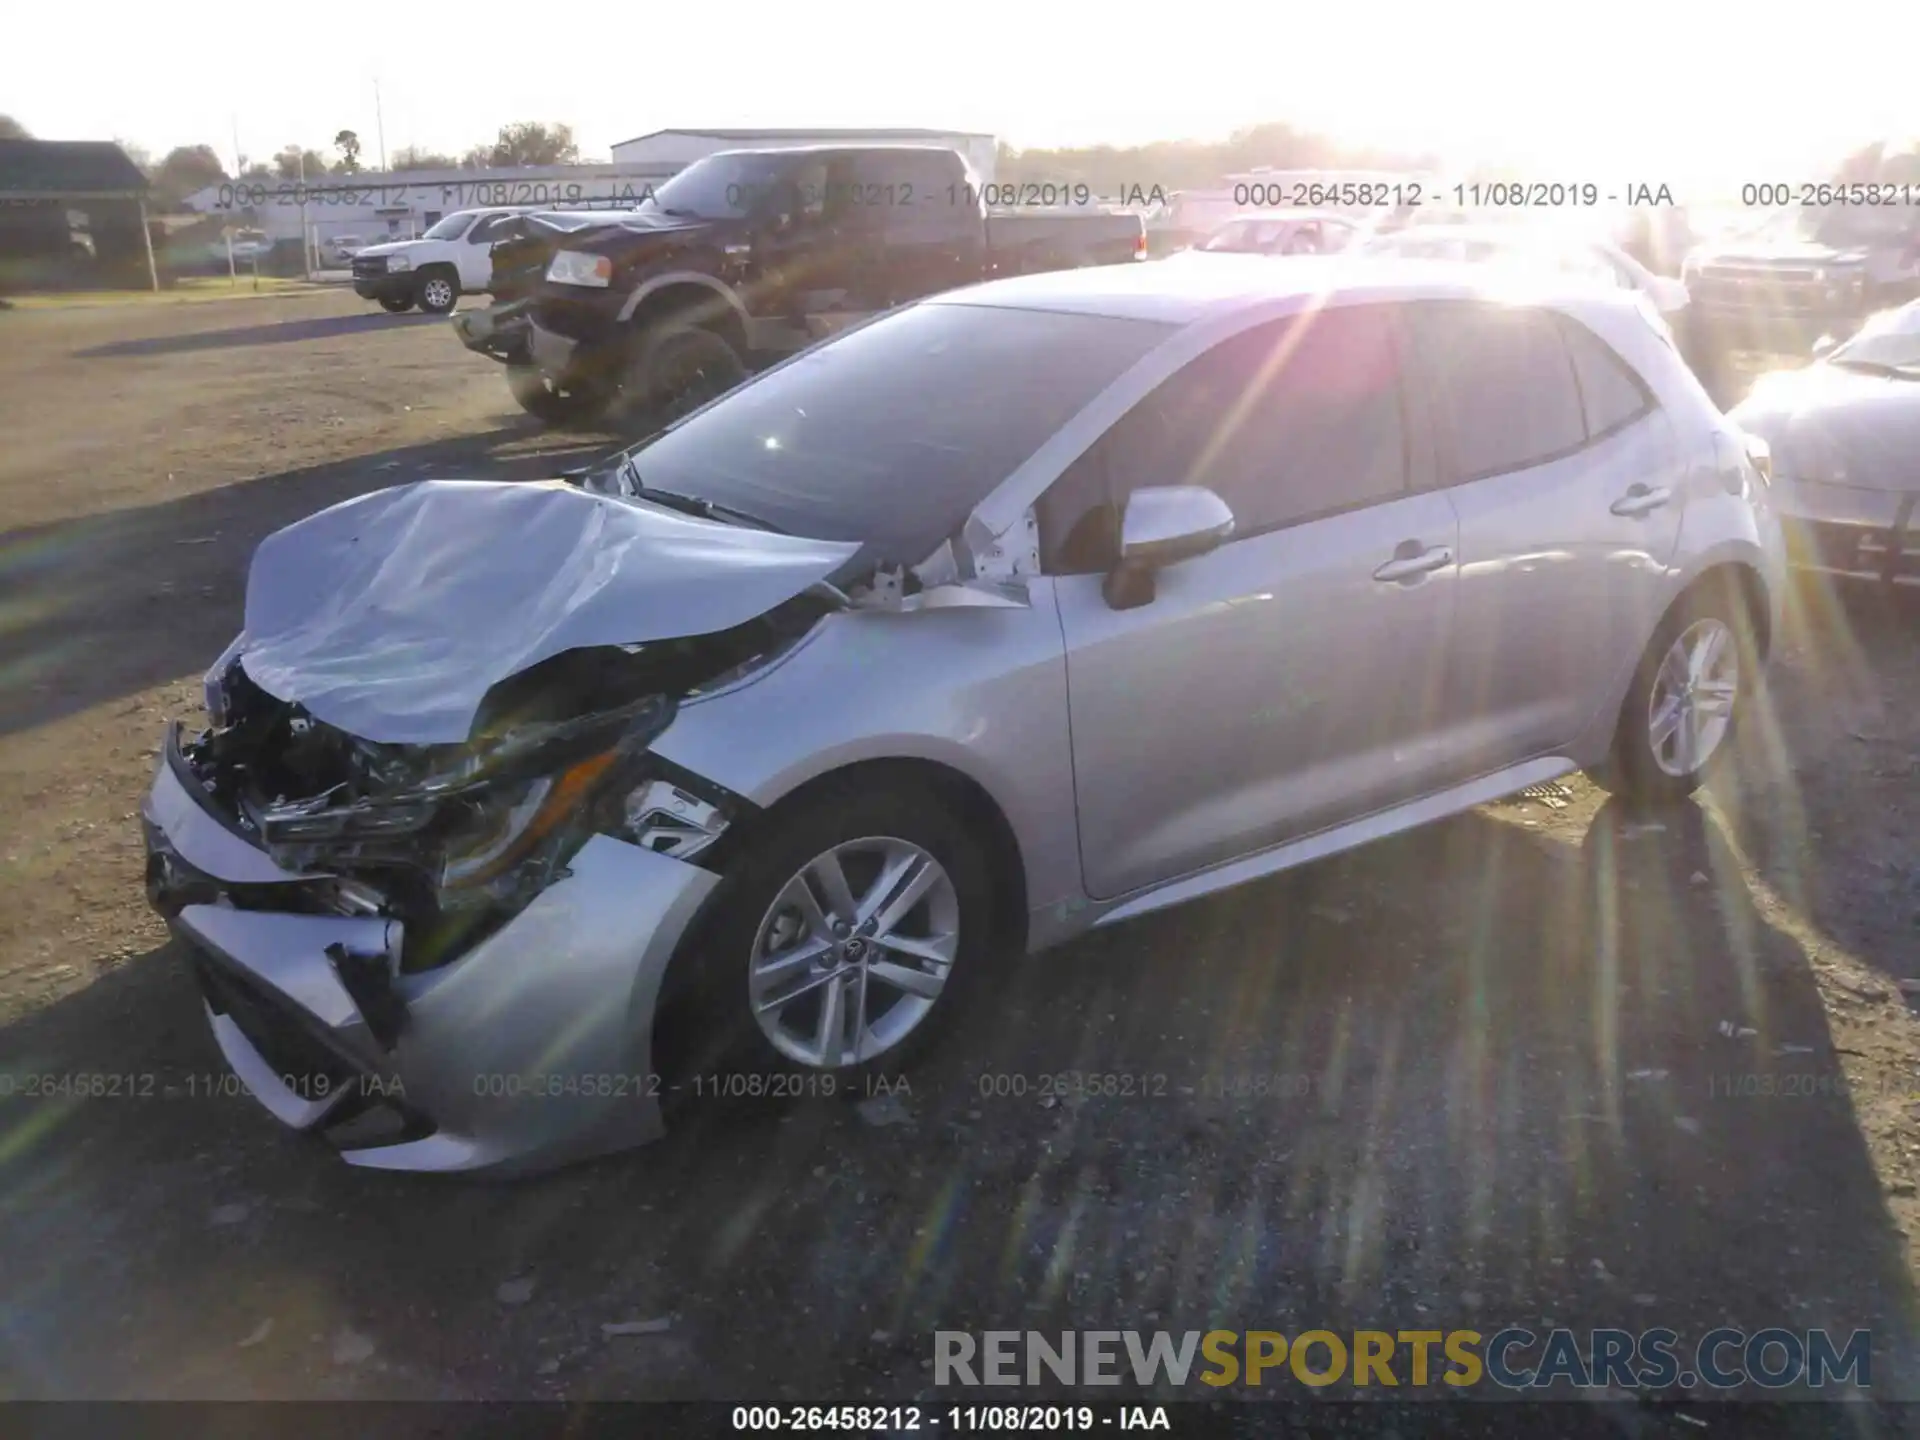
{"x": 1642, "y": 500}
{"x": 1411, "y": 566}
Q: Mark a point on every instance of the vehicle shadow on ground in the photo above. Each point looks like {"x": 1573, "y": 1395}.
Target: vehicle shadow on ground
{"x": 282, "y": 332}
{"x": 1469, "y": 1077}
{"x": 1837, "y": 852}
{"x": 100, "y": 607}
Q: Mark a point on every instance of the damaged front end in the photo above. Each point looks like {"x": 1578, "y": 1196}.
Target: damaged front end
{"x": 443, "y": 956}
{"x": 453, "y": 840}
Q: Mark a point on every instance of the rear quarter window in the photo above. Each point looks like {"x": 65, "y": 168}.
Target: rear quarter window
{"x": 1611, "y": 394}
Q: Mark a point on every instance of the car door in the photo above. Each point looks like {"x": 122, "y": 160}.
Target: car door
{"x": 801, "y": 260}
{"x": 1568, "y": 481}
{"x": 474, "y": 252}
{"x": 1277, "y": 685}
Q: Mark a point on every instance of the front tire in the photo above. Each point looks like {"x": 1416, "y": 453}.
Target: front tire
{"x": 437, "y": 293}
{"x": 1677, "y": 722}
{"x": 673, "y": 371}
{"x": 846, "y": 941}
{"x": 539, "y": 398}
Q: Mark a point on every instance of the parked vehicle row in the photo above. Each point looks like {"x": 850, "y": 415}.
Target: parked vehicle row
{"x": 1844, "y": 437}
{"x": 1033, "y": 606}
{"x": 742, "y": 258}
{"x": 1804, "y": 273}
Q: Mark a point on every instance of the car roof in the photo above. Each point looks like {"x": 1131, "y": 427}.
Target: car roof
{"x": 1186, "y": 294}
{"x": 1517, "y": 236}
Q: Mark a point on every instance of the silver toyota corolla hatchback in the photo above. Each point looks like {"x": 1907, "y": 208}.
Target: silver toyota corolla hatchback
{"x": 522, "y": 810}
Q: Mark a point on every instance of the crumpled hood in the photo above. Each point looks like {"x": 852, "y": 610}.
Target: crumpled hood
{"x": 1835, "y": 426}
{"x": 391, "y": 615}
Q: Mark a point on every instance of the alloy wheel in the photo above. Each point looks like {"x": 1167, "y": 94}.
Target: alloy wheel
{"x": 1690, "y": 707}
{"x": 853, "y": 952}
{"x": 438, "y": 293}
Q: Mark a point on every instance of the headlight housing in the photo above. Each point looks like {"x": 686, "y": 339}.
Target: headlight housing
{"x": 397, "y": 264}
{"x": 213, "y": 685}
{"x": 577, "y": 267}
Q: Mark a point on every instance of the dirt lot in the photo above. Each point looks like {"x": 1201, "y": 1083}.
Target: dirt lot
{"x": 1496, "y": 1055}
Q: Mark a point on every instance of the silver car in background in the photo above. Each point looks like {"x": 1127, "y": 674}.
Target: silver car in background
{"x": 1844, "y": 437}
{"x": 1027, "y": 609}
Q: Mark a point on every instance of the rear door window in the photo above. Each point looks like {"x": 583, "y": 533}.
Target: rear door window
{"x": 1505, "y": 394}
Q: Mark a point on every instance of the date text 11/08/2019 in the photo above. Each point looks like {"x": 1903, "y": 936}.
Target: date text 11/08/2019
{"x": 897, "y": 1419}
{"x": 1469, "y": 195}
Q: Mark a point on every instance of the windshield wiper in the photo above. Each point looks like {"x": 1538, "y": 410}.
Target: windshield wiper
{"x": 676, "y": 211}
{"x": 695, "y": 505}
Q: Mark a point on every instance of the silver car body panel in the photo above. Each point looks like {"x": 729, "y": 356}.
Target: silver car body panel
{"x": 391, "y": 615}
{"x": 568, "y": 1076}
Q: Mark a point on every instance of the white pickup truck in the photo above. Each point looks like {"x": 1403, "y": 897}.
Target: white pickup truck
{"x": 433, "y": 272}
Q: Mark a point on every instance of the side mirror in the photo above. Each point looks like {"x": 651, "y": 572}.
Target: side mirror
{"x": 1162, "y": 526}
{"x": 1824, "y": 346}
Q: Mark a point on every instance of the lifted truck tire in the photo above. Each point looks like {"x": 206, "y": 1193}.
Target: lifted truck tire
{"x": 537, "y": 396}
{"x": 674, "y": 369}
{"x": 438, "y": 291}
{"x": 395, "y": 304}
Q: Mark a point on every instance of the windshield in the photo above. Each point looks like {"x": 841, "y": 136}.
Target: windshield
{"x": 720, "y": 187}
{"x": 1890, "y": 339}
{"x": 890, "y": 434}
{"x": 451, "y": 228}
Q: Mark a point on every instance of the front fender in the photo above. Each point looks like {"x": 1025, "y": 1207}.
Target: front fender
{"x": 980, "y": 690}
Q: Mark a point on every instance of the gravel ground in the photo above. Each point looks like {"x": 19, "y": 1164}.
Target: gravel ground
{"x": 1540, "y": 1064}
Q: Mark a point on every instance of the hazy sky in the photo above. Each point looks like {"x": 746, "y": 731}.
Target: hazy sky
{"x": 1631, "y": 91}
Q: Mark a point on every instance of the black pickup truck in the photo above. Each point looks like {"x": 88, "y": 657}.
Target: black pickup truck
{"x": 747, "y": 256}
{"x": 520, "y": 257}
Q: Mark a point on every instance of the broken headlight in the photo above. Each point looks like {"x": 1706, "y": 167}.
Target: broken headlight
{"x": 512, "y": 822}
{"x": 213, "y": 685}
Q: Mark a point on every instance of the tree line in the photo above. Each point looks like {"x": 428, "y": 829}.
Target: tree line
{"x": 186, "y": 169}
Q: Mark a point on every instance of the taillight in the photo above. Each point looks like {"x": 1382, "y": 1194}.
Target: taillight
{"x": 1140, "y": 246}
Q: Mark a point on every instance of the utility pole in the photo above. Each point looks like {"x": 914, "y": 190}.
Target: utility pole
{"x": 238, "y": 159}
{"x": 379, "y": 124}
{"x": 306, "y": 239}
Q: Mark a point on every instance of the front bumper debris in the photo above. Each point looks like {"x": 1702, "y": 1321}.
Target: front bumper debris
{"x": 500, "y": 332}
{"x": 531, "y": 1050}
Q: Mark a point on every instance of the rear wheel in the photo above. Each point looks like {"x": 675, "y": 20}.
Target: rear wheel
{"x": 541, "y": 399}
{"x": 438, "y": 290}
{"x": 394, "y": 304}
{"x": 674, "y": 370}
{"x": 1678, "y": 718}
